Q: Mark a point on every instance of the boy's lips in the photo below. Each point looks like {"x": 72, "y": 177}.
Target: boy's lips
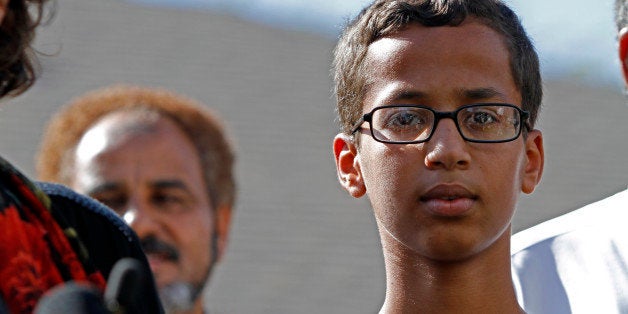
{"x": 448, "y": 200}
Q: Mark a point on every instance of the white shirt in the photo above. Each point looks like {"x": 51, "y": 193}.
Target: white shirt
{"x": 575, "y": 263}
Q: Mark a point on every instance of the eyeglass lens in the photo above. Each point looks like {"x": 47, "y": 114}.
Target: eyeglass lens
{"x": 478, "y": 122}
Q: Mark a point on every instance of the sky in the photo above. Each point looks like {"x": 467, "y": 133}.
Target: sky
{"x": 575, "y": 38}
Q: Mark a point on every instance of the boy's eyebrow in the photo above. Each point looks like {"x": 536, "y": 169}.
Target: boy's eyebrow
{"x": 407, "y": 95}
{"x": 481, "y": 93}
{"x": 472, "y": 94}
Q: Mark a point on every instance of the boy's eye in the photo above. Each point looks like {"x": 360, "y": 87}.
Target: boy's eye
{"x": 482, "y": 118}
{"x": 405, "y": 118}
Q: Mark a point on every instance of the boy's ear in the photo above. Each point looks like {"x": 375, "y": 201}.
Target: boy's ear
{"x": 348, "y": 165}
{"x": 623, "y": 52}
{"x": 535, "y": 160}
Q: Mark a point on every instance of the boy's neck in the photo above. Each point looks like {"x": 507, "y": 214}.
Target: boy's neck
{"x": 479, "y": 284}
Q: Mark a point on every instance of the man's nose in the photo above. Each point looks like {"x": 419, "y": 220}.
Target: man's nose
{"x": 446, "y": 149}
{"x": 141, "y": 219}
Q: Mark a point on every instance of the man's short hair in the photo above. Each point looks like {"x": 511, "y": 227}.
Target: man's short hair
{"x": 17, "y": 69}
{"x": 57, "y": 152}
{"x": 385, "y": 17}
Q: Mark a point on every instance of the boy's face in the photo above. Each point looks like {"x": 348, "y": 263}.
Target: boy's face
{"x": 445, "y": 199}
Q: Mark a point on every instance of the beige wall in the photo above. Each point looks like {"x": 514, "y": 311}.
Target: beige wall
{"x": 299, "y": 244}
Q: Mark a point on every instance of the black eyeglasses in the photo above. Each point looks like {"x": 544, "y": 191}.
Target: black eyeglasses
{"x": 478, "y": 123}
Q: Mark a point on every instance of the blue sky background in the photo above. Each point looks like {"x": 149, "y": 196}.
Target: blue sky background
{"x": 575, "y": 38}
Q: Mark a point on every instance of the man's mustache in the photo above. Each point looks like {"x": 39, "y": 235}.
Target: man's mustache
{"x": 152, "y": 245}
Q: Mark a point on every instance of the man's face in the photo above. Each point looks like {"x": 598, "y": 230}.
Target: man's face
{"x": 445, "y": 199}
{"x": 152, "y": 177}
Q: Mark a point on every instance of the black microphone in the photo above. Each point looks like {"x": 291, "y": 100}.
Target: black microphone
{"x": 123, "y": 293}
{"x": 71, "y": 298}
{"x": 125, "y": 286}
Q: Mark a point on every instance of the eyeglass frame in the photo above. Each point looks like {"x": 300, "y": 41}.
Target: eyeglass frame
{"x": 439, "y": 115}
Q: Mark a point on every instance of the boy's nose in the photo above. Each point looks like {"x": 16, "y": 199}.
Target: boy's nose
{"x": 447, "y": 149}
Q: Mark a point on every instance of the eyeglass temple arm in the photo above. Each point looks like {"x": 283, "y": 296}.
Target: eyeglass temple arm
{"x": 365, "y": 118}
{"x": 525, "y": 115}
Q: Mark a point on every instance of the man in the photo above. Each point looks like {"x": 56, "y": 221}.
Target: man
{"x": 437, "y": 101}
{"x": 50, "y": 235}
{"x": 578, "y": 262}
{"x": 163, "y": 163}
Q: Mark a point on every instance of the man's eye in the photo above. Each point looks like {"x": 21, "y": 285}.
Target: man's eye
{"x": 167, "y": 199}
{"x": 117, "y": 203}
{"x": 170, "y": 203}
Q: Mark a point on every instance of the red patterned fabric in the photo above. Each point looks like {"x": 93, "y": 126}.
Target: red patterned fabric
{"x": 35, "y": 253}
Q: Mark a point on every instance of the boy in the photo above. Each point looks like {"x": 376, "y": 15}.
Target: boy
{"x": 437, "y": 101}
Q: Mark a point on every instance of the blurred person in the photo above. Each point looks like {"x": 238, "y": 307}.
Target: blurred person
{"x": 164, "y": 164}
{"x": 49, "y": 234}
{"x": 578, "y": 262}
{"x": 437, "y": 101}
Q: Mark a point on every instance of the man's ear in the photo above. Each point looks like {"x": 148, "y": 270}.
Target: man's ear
{"x": 535, "y": 161}
{"x": 222, "y": 225}
{"x": 348, "y": 165}
{"x": 623, "y": 52}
